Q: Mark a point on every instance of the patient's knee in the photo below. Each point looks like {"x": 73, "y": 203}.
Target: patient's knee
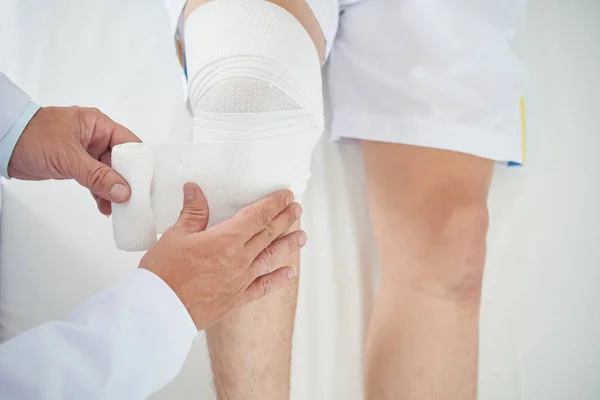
{"x": 251, "y": 56}
{"x": 298, "y": 8}
{"x": 450, "y": 243}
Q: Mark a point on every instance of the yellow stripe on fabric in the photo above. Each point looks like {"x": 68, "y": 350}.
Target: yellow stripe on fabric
{"x": 179, "y": 46}
{"x": 523, "y": 130}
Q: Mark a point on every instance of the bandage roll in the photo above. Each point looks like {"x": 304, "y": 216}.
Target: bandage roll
{"x": 133, "y": 221}
{"x": 232, "y": 175}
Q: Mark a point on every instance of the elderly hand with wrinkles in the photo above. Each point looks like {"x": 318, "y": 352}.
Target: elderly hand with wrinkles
{"x": 211, "y": 270}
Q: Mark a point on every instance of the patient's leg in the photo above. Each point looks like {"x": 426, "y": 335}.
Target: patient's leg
{"x": 429, "y": 215}
{"x": 250, "y": 350}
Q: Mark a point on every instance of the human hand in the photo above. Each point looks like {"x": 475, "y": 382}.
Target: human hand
{"x": 216, "y": 270}
{"x": 73, "y": 143}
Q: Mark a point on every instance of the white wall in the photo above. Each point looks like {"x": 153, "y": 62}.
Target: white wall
{"x": 541, "y": 313}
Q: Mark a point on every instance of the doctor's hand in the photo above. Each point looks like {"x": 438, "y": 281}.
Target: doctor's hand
{"x": 73, "y": 143}
{"x": 238, "y": 261}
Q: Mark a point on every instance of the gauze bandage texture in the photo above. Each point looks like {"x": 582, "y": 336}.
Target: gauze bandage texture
{"x": 250, "y": 56}
{"x": 255, "y": 93}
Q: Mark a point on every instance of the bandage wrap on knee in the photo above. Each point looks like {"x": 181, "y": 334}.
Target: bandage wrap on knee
{"x": 255, "y": 92}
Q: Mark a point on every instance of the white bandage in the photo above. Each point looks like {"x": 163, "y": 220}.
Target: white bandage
{"x": 255, "y": 91}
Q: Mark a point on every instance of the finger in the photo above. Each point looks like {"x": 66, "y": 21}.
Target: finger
{"x": 100, "y": 179}
{"x": 106, "y": 133}
{"x": 101, "y": 135}
{"x": 120, "y": 135}
{"x": 276, "y": 254}
{"x": 269, "y": 283}
{"x": 194, "y": 215}
{"x": 254, "y": 218}
{"x": 96, "y": 198}
{"x": 277, "y": 227}
{"x": 105, "y": 158}
{"x": 104, "y": 206}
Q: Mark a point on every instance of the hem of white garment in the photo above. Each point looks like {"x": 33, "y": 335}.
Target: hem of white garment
{"x": 9, "y": 141}
{"x": 501, "y": 146}
{"x": 171, "y": 310}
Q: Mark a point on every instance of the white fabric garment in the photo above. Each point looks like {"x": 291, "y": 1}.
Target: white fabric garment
{"x": 16, "y": 110}
{"x": 125, "y": 343}
{"x": 256, "y": 96}
{"x": 436, "y": 73}
{"x": 539, "y": 337}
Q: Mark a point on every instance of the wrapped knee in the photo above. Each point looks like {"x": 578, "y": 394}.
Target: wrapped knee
{"x": 255, "y": 92}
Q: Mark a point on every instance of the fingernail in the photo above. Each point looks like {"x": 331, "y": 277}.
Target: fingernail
{"x": 188, "y": 192}
{"x": 298, "y": 211}
{"x": 118, "y": 192}
{"x": 291, "y": 273}
{"x": 289, "y": 198}
{"x": 302, "y": 239}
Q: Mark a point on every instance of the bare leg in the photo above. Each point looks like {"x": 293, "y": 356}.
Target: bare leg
{"x": 250, "y": 350}
{"x": 429, "y": 215}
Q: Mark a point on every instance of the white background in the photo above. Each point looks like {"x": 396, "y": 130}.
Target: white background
{"x": 541, "y": 312}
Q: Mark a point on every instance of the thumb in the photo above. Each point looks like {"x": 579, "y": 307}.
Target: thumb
{"x": 194, "y": 215}
{"x": 102, "y": 180}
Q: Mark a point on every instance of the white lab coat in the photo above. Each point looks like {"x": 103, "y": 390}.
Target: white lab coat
{"x": 126, "y": 342}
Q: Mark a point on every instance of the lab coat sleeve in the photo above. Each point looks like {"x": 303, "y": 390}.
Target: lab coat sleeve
{"x": 16, "y": 110}
{"x": 126, "y": 343}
